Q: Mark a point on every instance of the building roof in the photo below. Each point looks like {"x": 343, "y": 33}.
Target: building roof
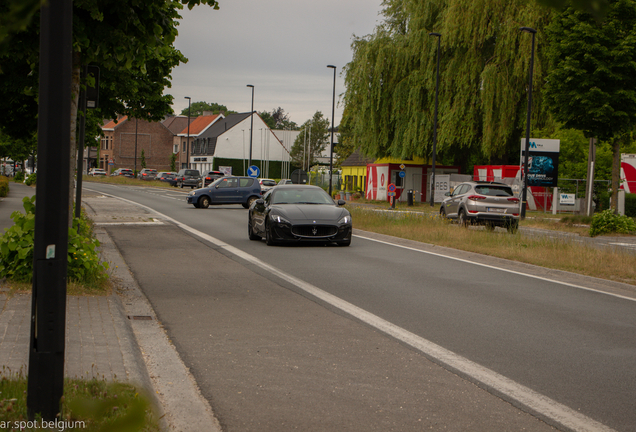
{"x": 177, "y": 123}
{"x": 357, "y": 159}
{"x": 200, "y": 125}
{"x": 226, "y": 124}
{"x": 111, "y": 125}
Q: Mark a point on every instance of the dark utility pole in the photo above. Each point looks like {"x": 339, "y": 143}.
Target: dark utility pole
{"x": 439, "y": 39}
{"x": 251, "y": 128}
{"x": 48, "y": 300}
{"x": 188, "y": 141}
{"x": 136, "y": 124}
{"x": 524, "y": 196}
{"x": 333, "y": 112}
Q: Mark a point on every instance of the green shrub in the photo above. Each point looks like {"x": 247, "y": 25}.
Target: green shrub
{"x": 4, "y": 186}
{"x": 630, "y": 205}
{"x": 31, "y": 179}
{"x": 18, "y": 177}
{"x": 609, "y": 222}
{"x": 16, "y": 249}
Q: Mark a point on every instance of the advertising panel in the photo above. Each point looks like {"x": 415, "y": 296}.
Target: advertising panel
{"x": 628, "y": 172}
{"x": 377, "y": 182}
{"x": 543, "y": 162}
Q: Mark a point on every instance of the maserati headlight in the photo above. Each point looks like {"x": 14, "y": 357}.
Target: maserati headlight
{"x": 279, "y": 219}
{"x": 345, "y": 220}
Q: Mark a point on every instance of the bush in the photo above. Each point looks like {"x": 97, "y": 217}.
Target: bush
{"x": 18, "y": 177}
{"x": 609, "y": 222}
{"x": 630, "y": 205}
{"x": 31, "y": 179}
{"x": 4, "y": 186}
{"x": 17, "y": 243}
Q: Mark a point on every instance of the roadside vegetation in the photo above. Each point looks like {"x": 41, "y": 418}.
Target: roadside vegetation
{"x": 560, "y": 254}
{"x": 87, "y": 405}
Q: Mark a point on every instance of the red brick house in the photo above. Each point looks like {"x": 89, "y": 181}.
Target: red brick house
{"x": 154, "y": 138}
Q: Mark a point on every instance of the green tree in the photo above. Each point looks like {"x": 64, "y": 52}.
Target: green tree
{"x": 390, "y": 83}
{"x": 591, "y": 84}
{"x": 311, "y": 142}
{"x": 143, "y": 159}
{"x": 173, "y": 162}
{"x": 278, "y": 119}
{"x": 197, "y": 109}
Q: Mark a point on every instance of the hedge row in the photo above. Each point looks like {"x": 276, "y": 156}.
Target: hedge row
{"x": 4, "y": 186}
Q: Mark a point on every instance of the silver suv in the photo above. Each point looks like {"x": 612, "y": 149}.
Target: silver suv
{"x": 482, "y": 203}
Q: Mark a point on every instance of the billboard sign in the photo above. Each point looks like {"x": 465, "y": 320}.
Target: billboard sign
{"x": 543, "y": 162}
{"x": 628, "y": 173}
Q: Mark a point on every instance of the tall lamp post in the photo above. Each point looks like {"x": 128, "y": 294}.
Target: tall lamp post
{"x": 251, "y": 127}
{"x": 439, "y": 39}
{"x": 333, "y": 113}
{"x": 524, "y": 196}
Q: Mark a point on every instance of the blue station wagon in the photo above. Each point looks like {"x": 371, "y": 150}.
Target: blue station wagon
{"x": 226, "y": 190}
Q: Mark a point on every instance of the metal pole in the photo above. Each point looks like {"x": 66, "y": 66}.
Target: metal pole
{"x": 333, "y": 113}
{"x": 48, "y": 300}
{"x": 439, "y": 40}
{"x": 135, "y": 170}
{"x": 524, "y": 197}
{"x": 251, "y": 127}
{"x": 188, "y": 139}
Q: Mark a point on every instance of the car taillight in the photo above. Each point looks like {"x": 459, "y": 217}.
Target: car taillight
{"x": 513, "y": 199}
{"x": 476, "y": 197}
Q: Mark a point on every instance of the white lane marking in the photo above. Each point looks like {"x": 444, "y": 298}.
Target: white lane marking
{"x": 128, "y": 223}
{"x": 497, "y": 268}
{"x": 535, "y": 402}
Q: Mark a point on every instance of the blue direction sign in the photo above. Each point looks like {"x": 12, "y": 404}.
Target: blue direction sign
{"x": 402, "y": 174}
{"x": 253, "y": 171}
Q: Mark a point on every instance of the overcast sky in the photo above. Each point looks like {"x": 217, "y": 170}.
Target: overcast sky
{"x": 282, "y": 47}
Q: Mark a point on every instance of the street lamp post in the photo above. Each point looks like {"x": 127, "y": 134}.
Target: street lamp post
{"x": 524, "y": 196}
{"x": 188, "y": 139}
{"x": 135, "y": 171}
{"x": 251, "y": 127}
{"x": 333, "y": 111}
{"x": 439, "y": 39}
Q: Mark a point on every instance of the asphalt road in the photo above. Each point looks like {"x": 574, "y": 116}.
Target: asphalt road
{"x": 575, "y": 346}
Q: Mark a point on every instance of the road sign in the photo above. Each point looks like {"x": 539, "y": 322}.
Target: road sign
{"x": 253, "y": 171}
{"x": 391, "y": 194}
{"x": 402, "y": 174}
{"x": 391, "y": 187}
{"x": 402, "y": 166}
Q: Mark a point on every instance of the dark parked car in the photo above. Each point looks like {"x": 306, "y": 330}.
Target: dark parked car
{"x": 168, "y": 177}
{"x": 482, "y": 203}
{"x": 188, "y": 177}
{"x": 226, "y": 190}
{"x": 126, "y": 172}
{"x": 147, "y": 174}
{"x": 296, "y": 213}
{"x": 209, "y": 177}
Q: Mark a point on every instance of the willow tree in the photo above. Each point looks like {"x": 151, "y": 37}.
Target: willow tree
{"x": 390, "y": 83}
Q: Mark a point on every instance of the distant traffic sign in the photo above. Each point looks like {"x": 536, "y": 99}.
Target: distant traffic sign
{"x": 402, "y": 166}
{"x": 402, "y": 174}
{"x": 391, "y": 187}
{"x": 253, "y": 171}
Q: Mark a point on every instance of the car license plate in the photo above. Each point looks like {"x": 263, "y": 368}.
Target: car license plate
{"x": 496, "y": 210}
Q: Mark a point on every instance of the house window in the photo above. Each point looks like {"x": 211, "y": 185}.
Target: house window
{"x": 183, "y": 148}
{"x": 175, "y": 148}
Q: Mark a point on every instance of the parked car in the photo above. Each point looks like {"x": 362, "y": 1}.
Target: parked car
{"x": 147, "y": 174}
{"x": 167, "y": 176}
{"x": 209, "y": 177}
{"x": 96, "y": 172}
{"x": 188, "y": 177}
{"x": 285, "y": 181}
{"x": 226, "y": 190}
{"x": 126, "y": 172}
{"x": 297, "y": 213}
{"x": 482, "y": 203}
{"x": 266, "y": 184}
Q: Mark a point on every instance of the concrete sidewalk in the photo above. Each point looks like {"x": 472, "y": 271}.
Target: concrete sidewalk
{"x": 113, "y": 337}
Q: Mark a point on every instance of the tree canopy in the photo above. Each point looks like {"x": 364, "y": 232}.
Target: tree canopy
{"x": 278, "y": 119}
{"x": 390, "y": 83}
{"x": 311, "y": 142}
{"x": 197, "y": 109}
